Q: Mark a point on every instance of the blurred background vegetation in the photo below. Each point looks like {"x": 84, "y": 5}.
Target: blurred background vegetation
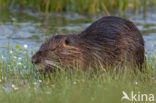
{"x": 80, "y": 6}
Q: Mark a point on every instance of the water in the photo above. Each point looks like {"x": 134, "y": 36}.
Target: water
{"x": 20, "y": 28}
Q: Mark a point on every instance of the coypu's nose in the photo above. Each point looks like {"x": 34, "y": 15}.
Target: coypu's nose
{"x": 34, "y": 60}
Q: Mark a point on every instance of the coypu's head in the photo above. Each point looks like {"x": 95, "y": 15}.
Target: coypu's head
{"x": 58, "y": 51}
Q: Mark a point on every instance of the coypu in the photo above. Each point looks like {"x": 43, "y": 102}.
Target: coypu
{"x": 109, "y": 41}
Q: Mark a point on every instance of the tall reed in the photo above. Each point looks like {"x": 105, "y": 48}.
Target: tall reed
{"x": 80, "y": 6}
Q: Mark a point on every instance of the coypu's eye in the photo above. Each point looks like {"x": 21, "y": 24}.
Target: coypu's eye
{"x": 67, "y": 42}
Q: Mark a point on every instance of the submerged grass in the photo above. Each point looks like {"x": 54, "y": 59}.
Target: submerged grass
{"x": 21, "y": 83}
{"x": 81, "y": 6}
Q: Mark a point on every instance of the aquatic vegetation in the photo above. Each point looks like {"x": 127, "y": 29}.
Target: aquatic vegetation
{"x": 21, "y": 82}
{"x": 81, "y": 6}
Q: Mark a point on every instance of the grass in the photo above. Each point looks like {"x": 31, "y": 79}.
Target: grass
{"x": 81, "y": 6}
{"x": 21, "y": 83}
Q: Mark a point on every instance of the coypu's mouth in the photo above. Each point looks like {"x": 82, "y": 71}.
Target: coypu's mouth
{"x": 47, "y": 66}
{"x": 51, "y": 64}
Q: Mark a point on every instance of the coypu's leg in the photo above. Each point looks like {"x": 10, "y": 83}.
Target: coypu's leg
{"x": 140, "y": 59}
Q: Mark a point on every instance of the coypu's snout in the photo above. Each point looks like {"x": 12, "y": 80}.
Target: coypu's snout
{"x": 35, "y": 59}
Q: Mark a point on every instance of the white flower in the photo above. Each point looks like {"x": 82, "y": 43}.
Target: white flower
{"x": 14, "y": 87}
{"x": 35, "y": 83}
{"x": 2, "y": 57}
{"x": 0, "y": 80}
{"x": 19, "y": 58}
{"x": 25, "y": 46}
{"x": 40, "y": 80}
{"x": 11, "y": 52}
{"x": 19, "y": 63}
{"x": 74, "y": 82}
{"x": 136, "y": 83}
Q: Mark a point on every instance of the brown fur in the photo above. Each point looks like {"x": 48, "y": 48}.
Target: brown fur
{"x": 109, "y": 41}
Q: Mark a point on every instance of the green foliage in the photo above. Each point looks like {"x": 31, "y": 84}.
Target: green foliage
{"x": 81, "y": 6}
{"x": 20, "y": 82}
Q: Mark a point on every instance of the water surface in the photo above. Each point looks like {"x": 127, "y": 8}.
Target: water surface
{"x": 20, "y": 28}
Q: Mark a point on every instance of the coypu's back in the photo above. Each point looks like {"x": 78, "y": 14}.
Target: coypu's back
{"x": 119, "y": 38}
{"x": 111, "y": 26}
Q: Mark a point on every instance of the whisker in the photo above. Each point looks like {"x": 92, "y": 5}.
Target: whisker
{"x": 51, "y": 63}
